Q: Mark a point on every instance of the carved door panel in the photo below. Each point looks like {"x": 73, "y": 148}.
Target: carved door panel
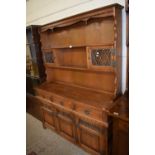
{"x": 92, "y": 138}
{"x": 49, "y": 118}
{"x": 66, "y": 126}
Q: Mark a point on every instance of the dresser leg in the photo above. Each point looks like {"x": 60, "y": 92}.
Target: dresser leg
{"x": 44, "y": 126}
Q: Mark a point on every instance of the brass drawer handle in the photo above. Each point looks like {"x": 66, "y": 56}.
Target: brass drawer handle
{"x": 116, "y": 113}
{"x": 87, "y": 112}
{"x": 62, "y": 103}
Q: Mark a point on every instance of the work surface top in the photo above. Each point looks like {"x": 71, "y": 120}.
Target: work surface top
{"x": 84, "y": 95}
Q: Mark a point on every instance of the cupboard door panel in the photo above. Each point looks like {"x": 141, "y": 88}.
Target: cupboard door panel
{"x": 89, "y": 139}
{"x": 66, "y": 126}
{"x": 49, "y": 118}
{"x": 92, "y": 138}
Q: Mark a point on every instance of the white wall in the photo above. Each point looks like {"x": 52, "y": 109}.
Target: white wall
{"x": 45, "y": 11}
{"x": 40, "y": 12}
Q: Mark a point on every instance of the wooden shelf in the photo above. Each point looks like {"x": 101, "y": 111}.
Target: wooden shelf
{"x": 79, "y": 46}
{"x": 69, "y": 46}
{"x": 105, "y": 69}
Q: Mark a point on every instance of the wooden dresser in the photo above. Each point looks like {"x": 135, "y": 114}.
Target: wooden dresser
{"x": 82, "y": 57}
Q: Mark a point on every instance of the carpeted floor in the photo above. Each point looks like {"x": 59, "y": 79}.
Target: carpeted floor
{"x": 47, "y": 142}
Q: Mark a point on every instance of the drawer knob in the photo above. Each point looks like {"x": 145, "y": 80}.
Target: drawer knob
{"x": 70, "y": 46}
{"x": 87, "y": 112}
{"x": 116, "y": 113}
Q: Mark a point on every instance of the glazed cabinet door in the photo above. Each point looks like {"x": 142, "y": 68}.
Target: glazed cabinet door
{"x": 101, "y": 58}
{"x": 92, "y": 138}
{"x": 66, "y": 125}
{"x": 49, "y": 118}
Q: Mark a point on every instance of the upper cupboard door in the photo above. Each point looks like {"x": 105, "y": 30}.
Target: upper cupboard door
{"x": 101, "y": 58}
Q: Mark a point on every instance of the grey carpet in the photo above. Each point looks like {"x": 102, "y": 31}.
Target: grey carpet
{"x": 47, "y": 142}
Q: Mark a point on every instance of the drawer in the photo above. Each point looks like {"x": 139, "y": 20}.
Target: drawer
{"x": 63, "y": 102}
{"x": 55, "y": 99}
{"x": 45, "y": 103}
{"x": 43, "y": 94}
{"x": 88, "y": 111}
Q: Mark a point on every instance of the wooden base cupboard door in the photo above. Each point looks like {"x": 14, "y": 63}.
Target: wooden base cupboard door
{"x": 49, "y": 118}
{"x": 92, "y": 138}
{"x": 66, "y": 126}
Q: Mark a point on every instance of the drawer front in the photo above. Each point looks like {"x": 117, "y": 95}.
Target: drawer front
{"x": 43, "y": 94}
{"x": 45, "y": 103}
{"x": 56, "y": 99}
{"x": 88, "y": 111}
{"x": 56, "y": 102}
{"x": 63, "y": 102}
